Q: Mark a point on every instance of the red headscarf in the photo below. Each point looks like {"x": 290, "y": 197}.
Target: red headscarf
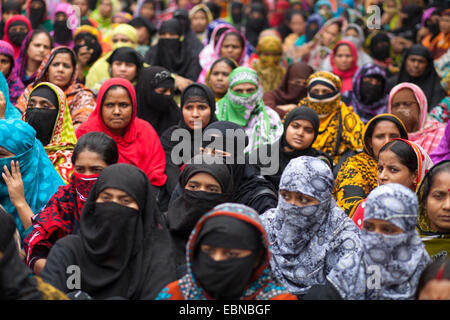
{"x": 15, "y": 18}
{"x": 346, "y": 76}
{"x": 139, "y": 145}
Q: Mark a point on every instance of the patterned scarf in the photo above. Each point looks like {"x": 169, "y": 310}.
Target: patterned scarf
{"x": 308, "y": 241}
{"x": 63, "y": 140}
{"x": 389, "y": 266}
{"x": 248, "y": 110}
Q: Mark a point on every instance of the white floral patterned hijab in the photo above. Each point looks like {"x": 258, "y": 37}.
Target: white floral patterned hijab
{"x": 306, "y": 242}
{"x": 389, "y": 266}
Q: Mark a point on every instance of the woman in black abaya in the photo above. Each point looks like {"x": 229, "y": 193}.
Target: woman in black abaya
{"x": 123, "y": 249}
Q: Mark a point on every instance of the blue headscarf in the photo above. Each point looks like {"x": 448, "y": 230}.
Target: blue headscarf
{"x": 40, "y": 179}
{"x": 11, "y": 112}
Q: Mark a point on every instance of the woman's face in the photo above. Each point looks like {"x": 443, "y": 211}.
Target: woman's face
{"x": 245, "y": 88}
{"x": 120, "y": 38}
{"x": 437, "y": 203}
{"x": 117, "y": 110}
{"x": 381, "y": 227}
{"x": 383, "y": 132}
{"x": 124, "y": 70}
{"x": 320, "y": 90}
{"x": 39, "y": 47}
{"x": 352, "y": 33}
{"x": 391, "y": 170}
{"x": 196, "y": 115}
{"x": 330, "y": 35}
{"x": 231, "y": 48}
{"x": 203, "y": 182}
{"x": 89, "y": 163}
{"x": 143, "y": 36}
{"x": 297, "y": 24}
{"x": 60, "y": 70}
{"x": 199, "y": 22}
{"x": 118, "y": 196}
{"x": 298, "y": 199}
{"x": 37, "y": 102}
{"x": 148, "y": 11}
{"x": 105, "y": 8}
{"x": 405, "y": 106}
{"x": 416, "y": 65}
{"x": 83, "y": 5}
{"x": 343, "y": 58}
{"x": 5, "y": 65}
{"x": 218, "y": 78}
{"x": 300, "y": 134}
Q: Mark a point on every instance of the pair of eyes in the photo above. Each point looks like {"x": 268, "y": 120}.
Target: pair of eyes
{"x": 301, "y": 198}
{"x": 209, "y": 188}
{"x": 121, "y": 105}
{"x": 384, "y": 229}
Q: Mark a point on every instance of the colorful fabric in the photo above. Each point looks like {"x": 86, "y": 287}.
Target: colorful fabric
{"x": 40, "y": 179}
{"x": 80, "y": 100}
{"x": 10, "y": 111}
{"x": 59, "y": 218}
{"x": 306, "y": 242}
{"x": 436, "y": 243}
{"x": 15, "y": 85}
{"x": 262, "y": 286}
{"x": 347, "y": 75}
{"x": 442, "y": 151}
{"x": 72, "y": 20}
{"x": 262, "y": 124}
{"x": 63, "y": 139}
{"x": 139, "y": 145}
{"x": 399, "y": 260}
{"x": 441, "y": 112}
{"x": 341, "y": 129}
{"x": 358, "y": 175}
{"x": 99, "y": 71}
{"x": 430, "y": 131}
{"x": 364, "y": 111}
{"x": 105, "y": 23}
{"x": 213, "y": 52}
{"x": 20, "y": 66}
{"x": 269, "y": 68}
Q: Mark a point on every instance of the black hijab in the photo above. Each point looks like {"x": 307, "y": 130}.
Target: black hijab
{"x": 127, "y": 54}
{"x": 189, "y": 206}
{"x": 123, "y": 252}
{"x": 429, "y": 82}
{"x": 159, "y": 110}
{"x": 16, "y": 281}
{"x": 172, "y": 170}
{"x": 253, "y": 27}
{"x": 174, "y": 54}
{"x": 300, "y": 113}
{"x": 190, "y": 37}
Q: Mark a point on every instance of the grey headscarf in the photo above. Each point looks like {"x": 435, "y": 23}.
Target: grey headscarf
{"x": 308, "y": 241}
{"x": 389, "y": 266}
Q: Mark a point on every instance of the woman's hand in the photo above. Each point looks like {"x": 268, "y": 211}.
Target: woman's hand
{"x": 14, "y": 183}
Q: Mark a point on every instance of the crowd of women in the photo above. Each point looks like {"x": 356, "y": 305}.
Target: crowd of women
{"x": 192, "y": 150}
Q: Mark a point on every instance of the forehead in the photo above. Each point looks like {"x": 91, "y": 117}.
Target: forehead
{"x": 405, "y": 93}
{"x": 38, "y": 99}
{"x": 115, "y": 192}
{"x": 245, "y": 85}
{"x": 116, "y": 93}
{"x": 203, "y": 177}
{"x": 417, "y": 57}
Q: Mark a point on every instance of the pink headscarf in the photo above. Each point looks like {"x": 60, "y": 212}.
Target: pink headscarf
{"x": 346, "y": 76}
{"x": 430, "y": 132}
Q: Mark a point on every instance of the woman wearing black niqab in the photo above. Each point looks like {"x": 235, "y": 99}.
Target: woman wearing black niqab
{"x": 187, "y": 209}
{"x": 121, "y": 251}
{"x": 159, "y": 110}
{"x": 428, "y": 81}
{"x": 174, "y": 54}
{"x": 255, "y": 25}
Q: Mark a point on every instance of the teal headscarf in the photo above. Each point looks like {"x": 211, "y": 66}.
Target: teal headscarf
{"x": 40, "y": 179}
{"x": 11, "y": 112}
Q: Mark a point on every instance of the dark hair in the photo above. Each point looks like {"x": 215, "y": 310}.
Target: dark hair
{"x": 236, "y": 34}
{"x": 431, "y": 175}
{"x": 231, "y": 63}
{"x": 39, "y": 31}
{"x": 438, "y": 269}
{"x": 340, "y": 45}
{"x": 100, "y": 143}
{"x": 404, "y": 152}
{"x": 292, "y": 12}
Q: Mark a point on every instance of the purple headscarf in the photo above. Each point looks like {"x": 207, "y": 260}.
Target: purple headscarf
{"x": 442, "y": 151}
{"x": 15, "y": 85}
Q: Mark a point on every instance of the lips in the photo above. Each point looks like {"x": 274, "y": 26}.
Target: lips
{"x": 445, "y": 218}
